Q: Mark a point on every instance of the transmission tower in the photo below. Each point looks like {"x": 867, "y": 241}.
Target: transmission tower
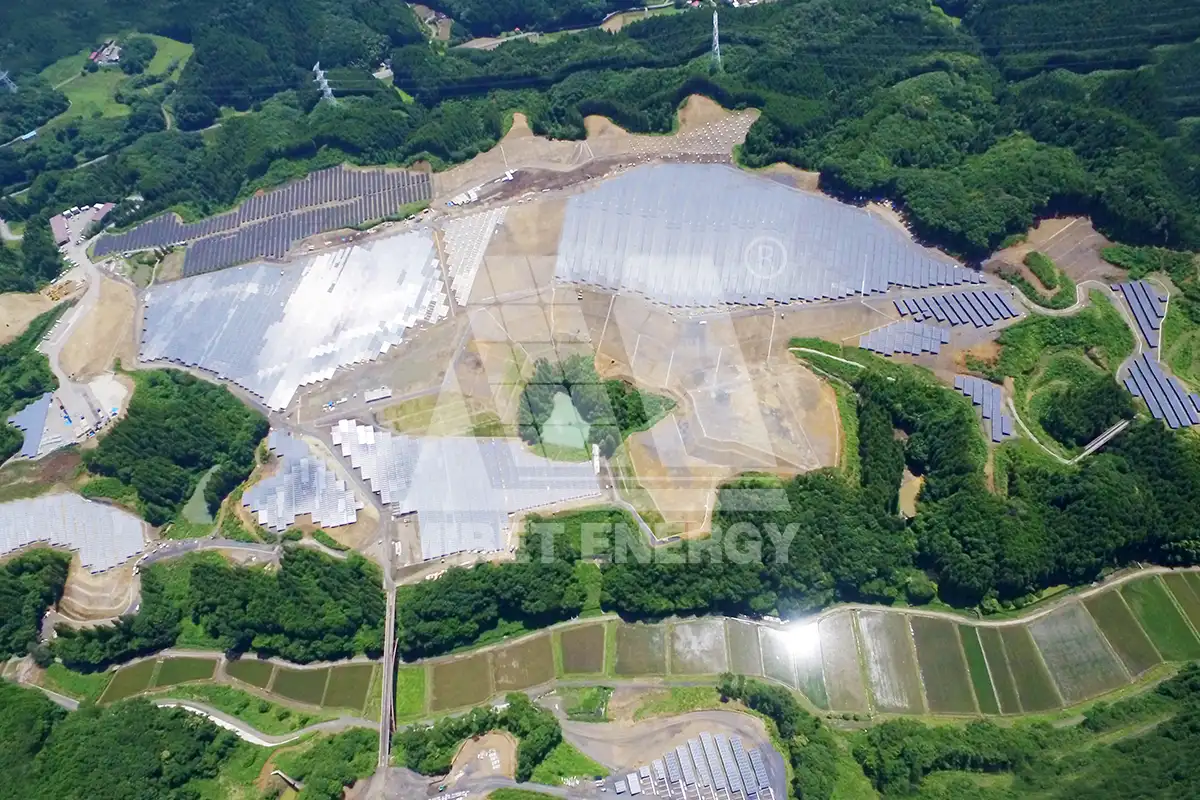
{"x": 323, "y": 83}
{"x": 7, "y": 82}
{"x": 716, "y": 45}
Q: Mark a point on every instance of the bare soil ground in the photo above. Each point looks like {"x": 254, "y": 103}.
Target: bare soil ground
{"x": 491, "y": 755}
{"x": 28, "y": 478}
{"x": 88, "y": 597}
{"x": 621, "y": 745}
{"x": 104, "y": 335}
{"x": 18, "y": 310}
{"x": 792, "y": 176}
{"x": 1071, "y": 242}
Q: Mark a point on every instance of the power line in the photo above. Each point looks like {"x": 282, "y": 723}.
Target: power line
{"x": 6, "y": 81}
{"x": 716, "y": 45}
{"x": 323, "y": 83}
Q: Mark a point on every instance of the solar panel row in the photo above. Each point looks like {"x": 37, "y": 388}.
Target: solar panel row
{"x": 103, "y": 535}
{"x": 716, "y": 763}
{"x": 1164, "y": 395}
{"x": 337, "y": 185}
{"x": 303, "y": 484}
{"x": 31, "y": 421}
{"x": 989, "y": 398}
{"x": 979, "y": 308}
{"x": 1148, "y": 308}
{"x": 905, "y": 337}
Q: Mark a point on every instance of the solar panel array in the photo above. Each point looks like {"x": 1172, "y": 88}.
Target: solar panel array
{"x": 981, "y": 308}
{"x": 1148, "y": 307}
{"x": 304, "y": 484}
{"x": 266, "y": 225}
{"x": 31, "y": 420}
{"x": 271, "y": 329}
{"x": 709, "y": 766}
{"x": 1164, "y": 395}
{"x": 103, "y": 535}
{"x": 462, "y": 489}
{"x": 464, "y": 241}
{"x": 701, "y": 235}
{"x": 988, "y": 397}
{"x": 912, "y": 338}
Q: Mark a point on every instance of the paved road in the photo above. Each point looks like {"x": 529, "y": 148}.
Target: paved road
{"x": 177, "y": 547}
{"x": 253, "y": 735}
{"x": 6, "y": 233}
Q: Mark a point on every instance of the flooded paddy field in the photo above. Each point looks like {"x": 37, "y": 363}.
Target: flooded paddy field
{"x": 777, "y": 656}
{"x": 1154, "y": 609}
{"x": 524, "y": 664}
{"x": 977, "y": 665}
{"x": 582, "y": 649}
{"x": 641, "y": 650}
{"x": 251, "y": 671}
{"x": 181, "y": 670}
{"x": 1123, "y": 632}
{"x": 810, "y": 669}
{"x": 1002, "y": 677}
{"x": 745, "y": 653}
{"x": 129, "y": 681}
{"x": 302, "y": 685}
{"x": 348, "y": 686}
{"x": 839, "y": 655}
{"x": 1076, "y": 654}
{"x": 462, "y": 682}
{"x": 698, "y": 647}
{"x": 1034, "y": 686}
{"x": 943, "y": 665}
{"x": 891, "y": 665}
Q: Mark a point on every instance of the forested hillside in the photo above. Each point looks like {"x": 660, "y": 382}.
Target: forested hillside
{"x": 315, "y": 608}
{"x": 489, "y": 17}
{"x": 974, "y": 128}
{"x": 24, "y": 375}
{"x": 177, "y": 428}
{"x": 29, "y": 584}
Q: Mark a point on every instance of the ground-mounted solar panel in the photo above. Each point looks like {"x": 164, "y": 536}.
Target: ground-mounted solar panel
{"x": 104, "y": 536}
{"x": 714, "y": 761}
{"x": 697, "y": 752}
{"x": 989, "y": 399}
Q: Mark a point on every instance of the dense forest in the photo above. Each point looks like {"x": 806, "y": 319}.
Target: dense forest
{"x": 490, "y": 17}
{"x": 974, "y": 129}
{"x": 177, "y": 428}
{"x": 29, "y": 584}
{"x": 24, "y": 376}
{"x": 314, "y": 608}
{"x": 132, "y": 749}
{"x": 613, "y": 409}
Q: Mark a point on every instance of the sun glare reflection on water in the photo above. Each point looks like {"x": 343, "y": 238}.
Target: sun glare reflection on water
{"x": 803, "y": 639}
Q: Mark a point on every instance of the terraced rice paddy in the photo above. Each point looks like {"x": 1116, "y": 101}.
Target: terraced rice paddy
{"x": 1002, "y": 678}
{"x": 805, "y": 643}
{"x": 1076, "y": 654}
{"x": 1185, "y": 596}
{"x": 943, "y": 666}
{"x": 777, "y": 655}
{"x": 1168, "y": 630}
{"x": 839, "y": 655}
{"x": 745, "y": 653}
{"x": 1117, "y": 624}
{"x": 1034, "y": 686}
{"x": 981, "y": 680}
{"x": 348, "y": 685}
{"x": 641, "y": 650}
{"x": 582, "y": 649}
{"x": 698, "y": 648}
{"x": 182, "y": 670}
{"x": 462, "y": 682}
{"x": 891, "y": 665}
{"x": 301, "y": 685}
{"x": 251, "y": 671}
{"x": 129, "y": 681}
{"x": 525, "y": 664}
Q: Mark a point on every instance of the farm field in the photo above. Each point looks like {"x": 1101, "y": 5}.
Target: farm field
{"x": 1185, "y": 595}
{"x": 1002, "y": 678}
{"x": 302, "y": 685}
{"x": 641, "y": 650}
{"x": 839, "y": 655}
{"x": 745, "y": 652}
{"x": 182, "y": 670}
{"x": 1152, "y": 606}
{"x": 582, "y": 649}
{"x": 1034, "y": 686}
{"x": 251, "y": 671}
{"x": 805, "y": 643}
{"x": 93, "y": 95}
{"x": 891, "y": 668}
{"x": 777, "y": 655}
{"x": 528, "y": 663}
{"x": 461, "y": 682}
{"x": 410, "y": 692}
{"x": 169, "y": 50}
{"x": 1123, "y": 631}
{"x": 348, "y": 685}
{"x": 1076, "y": 654}
{"x": 981, "y": 681}
{"x": 698, "y": 648}
{"x": 129, "y": 681}
{"x": 943, "y": 667}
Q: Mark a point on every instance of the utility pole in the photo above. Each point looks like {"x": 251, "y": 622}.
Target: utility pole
{"x": 7, "y": 82}
{"x": 323, "y": 83}
{"x": 716, "y": 45}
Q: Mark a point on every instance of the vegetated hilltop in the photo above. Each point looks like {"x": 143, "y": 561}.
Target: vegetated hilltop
{"x": 887, "y": 98}
{"x": 24, "y": 375}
